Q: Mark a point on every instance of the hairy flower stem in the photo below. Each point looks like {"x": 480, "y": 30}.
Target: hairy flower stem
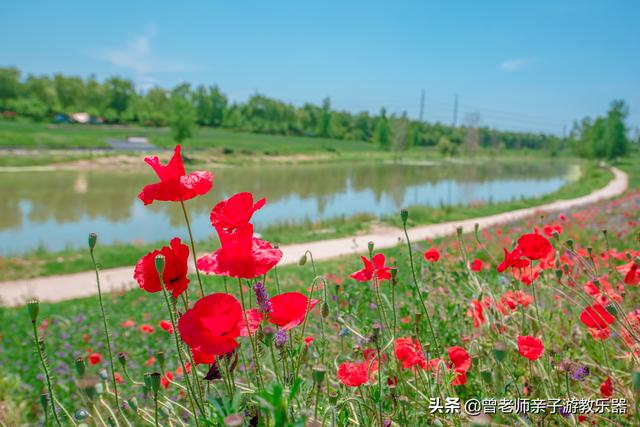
{"x": 254, "y": 348}
{"x": 193, "y": 247}
{"x": 418, "y": 291}
{"x": 191, "y": 393}
{"x": 155, "y": 412}
{"x": 108, "y": 339}
{"x": 43, "y": 361}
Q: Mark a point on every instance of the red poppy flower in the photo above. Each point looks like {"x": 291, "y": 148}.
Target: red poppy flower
{"x": 174, "y": 184}
{"x": 476, "y": 265}
{"x": 308, "y": 340}
{"x": 461, "y": 362}
{"x": 95, "y": 358}
{"x": 353, "y": 374}
{"x": 165, "y": 380}
{"x": 534, "y": 246}
{"x": 596, "y": 317}
{"x": 631, "y": 273}
{"x": 175, "y": 271}
{"x": 146, "y": 328}
{"x": 166, "y": 325}
{"x": 606, "y": 388}
{"x": 512, "y": 259}
{"x": 432, "y": 255}
{"x": 241, "y": 255}
{"x": 128, "y": 323}
{"x": 289, "y": 309}
{"x": 358, "y": 373}
{"x": 150, "y": 361}
{"x": 476, "y": 311}
{"x": 212, "y": 324}
{"x": 254, "y": 316}
{"x": 530, "y": 347}
{"x": 550, "y": 229}
{"x": 201, "y": 358}
{"x": 409, "y": 352}
{"x": 118, "y": 378}
{"x": 373, "y": 268}
{"x": 235, "y": 212}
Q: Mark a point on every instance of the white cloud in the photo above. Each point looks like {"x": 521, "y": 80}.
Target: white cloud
{"x": 138, "y": 56}
{"x": 516, "y": 63}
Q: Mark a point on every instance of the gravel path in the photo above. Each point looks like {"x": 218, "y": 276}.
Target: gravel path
{"x": 69, "y": 286}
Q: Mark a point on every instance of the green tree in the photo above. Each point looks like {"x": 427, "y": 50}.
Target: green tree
{"x": 119, "y": 93}
{"x": 9, "y": 84}
{"x": 211, "y": 105}
{"x": 324, "y": 124}
{"x": 382, "y": 133}
{"x": 70, "y": 91}
{"x": 183, "y": 117}
{"x": 616, "y": 130}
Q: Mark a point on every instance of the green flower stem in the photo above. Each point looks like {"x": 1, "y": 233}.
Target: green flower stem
{"x": 193, "y": 247}
{"x": 43, "y": 361}
{"x": 418, "y": 291}
{"x": 254, "y": 348}
{"x": 106, "y": 334}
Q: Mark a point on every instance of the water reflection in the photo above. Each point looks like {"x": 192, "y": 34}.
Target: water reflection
{"x": 57, "y": 209}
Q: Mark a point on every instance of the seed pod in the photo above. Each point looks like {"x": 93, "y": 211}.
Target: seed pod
{"x": 303, "y": 259}
{"x": 155, "y": 381}
{"x": 81, "y": 414}
{"x": 404, "y": 215}
{"x": 93, "y": 238}
{"x": 370, "y": 246}
{"x": 33, "y": 306}
{"x": 81, "y": 366}
{"x": 159, "y": 261}
{"x": 319, "y": 372}
{"x": 44, "y": 401}
{"x": 160, "y": 356}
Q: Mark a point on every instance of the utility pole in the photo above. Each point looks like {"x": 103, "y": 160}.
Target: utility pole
{"x": 455, "y": 111}
{"x": 421, "y": 105}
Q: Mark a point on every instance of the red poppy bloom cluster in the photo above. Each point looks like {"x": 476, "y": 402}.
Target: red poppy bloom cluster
{"x": 240, "y": 255}
{"x": 355, "y": 374}
{"x": 530, "y": 347}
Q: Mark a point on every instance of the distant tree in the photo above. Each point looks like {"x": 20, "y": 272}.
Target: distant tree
{"x": 9, "y": 84}
{"x": 382, "y": 133}
{"x": 70, "y": 91}
{"x": 399, "y": 134}
{"x": 119, "y": 93}
{"x": 324, "y": 124}
{"x": 183, "y": 117}
{"x": 616, "y": 130}
{"x": 446, "y": 147}
{"x": 210, "y": 104}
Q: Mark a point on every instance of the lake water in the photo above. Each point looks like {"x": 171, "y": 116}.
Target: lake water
{"x": 56, "y": 210}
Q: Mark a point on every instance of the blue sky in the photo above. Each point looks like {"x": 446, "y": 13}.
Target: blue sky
{"x": 520, "y": 65}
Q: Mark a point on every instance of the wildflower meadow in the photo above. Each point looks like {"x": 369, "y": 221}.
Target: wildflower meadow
{"x": 530, "y": 323}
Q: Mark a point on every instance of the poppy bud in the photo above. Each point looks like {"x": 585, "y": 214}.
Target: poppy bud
{"x": 635, "y": 379}
{"x": 333, "y": 398}
{"x": 596, "y": 283}
{"x": 476, "y": 229}
{"x": 303, "y": 259}
{"x": 111, "y": 422}
{"x": 570, "y": 243}
{"x": 160, "y": 356}
{"x": 636, "y": 260}
{"x": 459, "y": 231}
{"x": 404, "y": 215}
{"x": 276, "y": 246}
{"x": 556, "y": 235}
{"x": 370, "y": 247}
{"x": 611, "y": 309}
{"x": 99, "y": 389}
{"x": 155, "y": 381}
{"x": 80, "y": 366}
{"x": 33, "y": 306}
{"x": 159, "y": 260}
{"x": 44, "y": 401}
{"x": 559, "y": 274}
{"x": 133, "y": 403}
{"x": 319, "y": 372}
{"x": 81, "y": 415}
{"x": 93, "y": 238}
{"x": 122, "y": 358}
{"x": 499, "y": 351}
{"x": 590, "y": 250}
{"x": 325, "y": 310}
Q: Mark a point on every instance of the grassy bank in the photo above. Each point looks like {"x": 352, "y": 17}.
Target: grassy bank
{"x": 44, "y": 263}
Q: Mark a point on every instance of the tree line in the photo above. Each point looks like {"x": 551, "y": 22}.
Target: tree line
{"x": 116, "y": 100}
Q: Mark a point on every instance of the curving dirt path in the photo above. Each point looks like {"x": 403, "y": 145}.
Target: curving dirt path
{"x": 69, "y": 286}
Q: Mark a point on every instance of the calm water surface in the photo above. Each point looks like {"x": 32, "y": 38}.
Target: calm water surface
{"x": 56, "y": 210}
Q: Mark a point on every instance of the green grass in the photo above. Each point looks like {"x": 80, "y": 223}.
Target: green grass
{"x": 39, "y": 136}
